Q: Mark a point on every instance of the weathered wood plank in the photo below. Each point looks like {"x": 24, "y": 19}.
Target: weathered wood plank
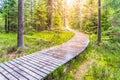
{"x": 32, "y": 73}
{"x": 60, "y": 57}
{"x": 46, "y": 67}
{"x": 30, "y": 68}
{"x": 20, "y": 71}
{"x": 36, "y": 67}
{"x": 56, "y": 61}
{"x": 2, "y": 77}
{"x": 44, "y": 54}
{"x": 45, "y": 60}
{"x": 41, "y": 63}
{"x": 7, "y": 74}
{"x": 13, "y": 72}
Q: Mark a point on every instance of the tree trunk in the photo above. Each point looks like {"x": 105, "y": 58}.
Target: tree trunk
{"x": 50, "y": 13}
{"x": 31, "y": 12}
{"x": 65, "y": 14}
{"x": 80, "y": 13}
{"x": 99, "y": 21}
{"x": 6, "y": 24}
{"x": 20, "y": 23}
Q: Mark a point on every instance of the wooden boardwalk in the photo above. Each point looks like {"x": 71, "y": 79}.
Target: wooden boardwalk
{"x": 38, "y": 65}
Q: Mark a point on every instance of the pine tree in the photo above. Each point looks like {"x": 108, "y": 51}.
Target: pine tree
{"x": 99, "y": 21}
{"x": 50, "y": 14}
{"x": 21, "y": 23}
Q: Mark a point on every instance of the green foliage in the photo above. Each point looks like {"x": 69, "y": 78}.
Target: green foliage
{"x": 29, "y": 30}
{"x": 105, "y": 57}
{"x": 74, "y": 15}
{"x": 9, "y": 12}
{"x": 35, "y": 15}
{"x": 113, "y": 7}
{"x": 2, "y": 23}
{"x": 105, "y": 22}
{"x": 40, "y": 15}
{"x": 89, "y": 27}
{"x": 57, "y": 22}
{"x": 58, "y": 12}
{"x": 89, "y": 17}
{"x": 113, "y": 33}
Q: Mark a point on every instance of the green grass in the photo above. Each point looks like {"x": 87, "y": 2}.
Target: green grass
{"x": 33, "y": 42}
{"x": 106, "y": 58}
{"x": 106, "y": 61}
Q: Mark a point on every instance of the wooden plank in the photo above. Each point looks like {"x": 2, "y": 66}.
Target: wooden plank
{"x": 7, "y": 74}
{"x": 58, "y": 57}
{"x": 30, "y": 68}
{"x": 45, "y": 60}
{"x": 20, "y": 71}
{"x": 45, "y": 64}
{"x": 54, "y": 55}
{"x": 44, "y": 54}
{"x": 13, "y": 72}
{"x": 38, "y": 64}
{"x": 2, "y": 77}
{"x": 41, "y": 63}
{"x": 57, "y": 61}
{"x": 36, "y": 67}
{"x": 32, "y": 73}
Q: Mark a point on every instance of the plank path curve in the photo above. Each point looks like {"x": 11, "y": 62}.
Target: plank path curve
{"x": 38, "y": 65}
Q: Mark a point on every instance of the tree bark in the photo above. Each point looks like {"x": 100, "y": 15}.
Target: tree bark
{"x": 65, "y": 14}
{"x": 6, "y": 24}
{"x": 20, "y": 23}
{"x": 50, "y": 14}
{"x": 99, "y": 21}
{"x": 31, "y": 12}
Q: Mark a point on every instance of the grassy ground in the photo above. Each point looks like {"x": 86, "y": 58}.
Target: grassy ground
{"x": 33, "y": 42}
{"x": 105, "y": 61}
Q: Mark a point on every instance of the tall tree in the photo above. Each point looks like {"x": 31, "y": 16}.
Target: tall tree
{"x": 65, "y": 10}
{"x": 20, "y": 23}
{"x": 50, "y": 14}
{"x": 99, "y": 21}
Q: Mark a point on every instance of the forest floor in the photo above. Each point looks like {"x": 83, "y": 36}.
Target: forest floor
{"x": 82, "y": 69}
{"x": 33, "y": 42}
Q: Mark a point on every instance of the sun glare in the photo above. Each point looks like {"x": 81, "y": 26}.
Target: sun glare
{"x": 70, "y": 2}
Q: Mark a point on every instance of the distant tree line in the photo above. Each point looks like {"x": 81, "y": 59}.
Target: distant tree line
{"x": 38, "y": 15}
